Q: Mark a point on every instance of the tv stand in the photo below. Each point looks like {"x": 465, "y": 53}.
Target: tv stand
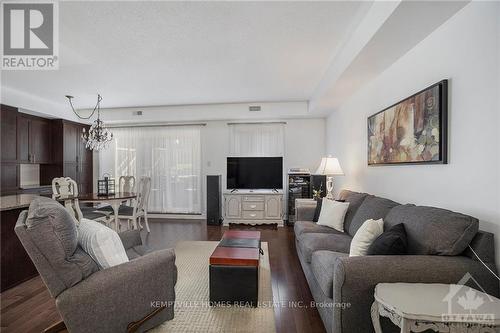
{"x": 253, "y": 207}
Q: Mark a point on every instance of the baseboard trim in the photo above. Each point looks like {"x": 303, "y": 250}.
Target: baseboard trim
{"x": 177, "y": 216}
{"x": 279, "y": 223}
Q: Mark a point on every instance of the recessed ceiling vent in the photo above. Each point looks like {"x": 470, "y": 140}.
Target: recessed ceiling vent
{"x": 137, "y": 113}
{"x": 254, "y": 108}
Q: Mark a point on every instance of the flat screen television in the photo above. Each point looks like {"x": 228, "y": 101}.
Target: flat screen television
{"x": 255, "y": 173}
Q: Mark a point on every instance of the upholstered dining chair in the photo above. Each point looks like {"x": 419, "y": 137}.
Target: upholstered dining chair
{"x": 65, "y": 187}
{"x": 120, "y": 298}
{"x": 125, "y": 184}
{"x": 139, "y": 209}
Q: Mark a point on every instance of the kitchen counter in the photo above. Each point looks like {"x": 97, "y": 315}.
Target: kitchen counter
{"x": 32, "y": 187}
{"x": 10, "y": 202}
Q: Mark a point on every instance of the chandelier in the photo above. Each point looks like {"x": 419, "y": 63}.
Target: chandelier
{"x": 99, "y": 136}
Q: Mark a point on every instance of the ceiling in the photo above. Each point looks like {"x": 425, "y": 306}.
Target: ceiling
{"x": 174, "y": 53}
{"x": 185, "y": 59}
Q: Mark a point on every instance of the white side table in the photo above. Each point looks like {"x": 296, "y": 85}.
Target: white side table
{"x": 416, "y": 307}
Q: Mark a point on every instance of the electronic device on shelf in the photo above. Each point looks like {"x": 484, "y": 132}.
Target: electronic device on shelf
{"x": 303, "y": 171}
{"x": 301, "y": 186}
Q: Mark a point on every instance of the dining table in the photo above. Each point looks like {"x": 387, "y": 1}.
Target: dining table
{"x": 114, "y": 200}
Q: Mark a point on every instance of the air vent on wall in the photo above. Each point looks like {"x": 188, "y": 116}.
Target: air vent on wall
{"x": 254, "y": 108}
{"x": 137, "y": 113}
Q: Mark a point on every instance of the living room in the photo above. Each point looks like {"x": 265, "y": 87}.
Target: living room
{"x": 250, "y": 166}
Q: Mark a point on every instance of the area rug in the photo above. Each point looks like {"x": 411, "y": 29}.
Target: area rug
{"x": 192, "y": 311}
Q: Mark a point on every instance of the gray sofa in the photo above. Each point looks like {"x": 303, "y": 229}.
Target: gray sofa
{"x": 438, "y": 252}
{"x": 115, "y": 299}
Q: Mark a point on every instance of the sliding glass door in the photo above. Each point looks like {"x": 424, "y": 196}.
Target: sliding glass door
{"x": 170, "y": 155}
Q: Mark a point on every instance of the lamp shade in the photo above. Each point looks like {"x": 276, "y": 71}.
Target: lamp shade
{"x": 329, "y": 166}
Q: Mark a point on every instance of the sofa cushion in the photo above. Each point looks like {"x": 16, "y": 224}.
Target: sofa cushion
{"x": 371, "y": 208}
{"x": 137, "y": 251}
{"x": 317, "y": 211}
{"x": 366, "y": 235}
{"x": 45, "y": 210}
{"x": 333, "y": 214}
{"x": 322, "y": 268}
{"x": 53, "y": 232}
{"x": 301, "y": 227}
{"x": 355, "y": 200}
{"x": 391, "y": 242}
{"x": 433, "y": 230}
{"x": 312, "y": 242}
{"x": 102, "y": 243}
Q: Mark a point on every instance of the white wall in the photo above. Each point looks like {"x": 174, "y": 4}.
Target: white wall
{"x": 466, "y": 51}
{"x": 304, "y": 147}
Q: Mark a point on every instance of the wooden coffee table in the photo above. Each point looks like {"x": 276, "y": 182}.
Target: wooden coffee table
{"x": 234, "y": 268}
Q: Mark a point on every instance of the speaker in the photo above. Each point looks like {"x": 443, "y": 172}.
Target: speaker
{"x": 317, "y": 182}
{"x": 214, "y": 199}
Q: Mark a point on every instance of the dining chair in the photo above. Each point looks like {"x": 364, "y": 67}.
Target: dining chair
{"x": 65, "y": 187}
{"x": 125, "y": 184}
{"x": 139, "y": 209}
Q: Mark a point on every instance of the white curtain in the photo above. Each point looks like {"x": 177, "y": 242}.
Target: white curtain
{"x": 257, "y": 139}
{"x": 170, "y": 155}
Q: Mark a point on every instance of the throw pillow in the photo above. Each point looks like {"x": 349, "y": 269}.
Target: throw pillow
{"x": 53, "y": 232}
{"x": 364, "y": 237}
{"x": 332, "y": 214}
{"x": 318, "y": 210}
{"x": 101, "y": 243}
{"x": 391, "y": 242}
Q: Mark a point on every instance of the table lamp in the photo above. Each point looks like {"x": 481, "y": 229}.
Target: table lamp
{"x": 329, "y": 166}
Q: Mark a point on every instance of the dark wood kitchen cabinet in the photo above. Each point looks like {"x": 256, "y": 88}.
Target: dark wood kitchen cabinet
{"x": 86, "y": 164}
{"x": 75, "y": 160}
{"x": 54, "y": 144}
{"x": 23, "y": 139}
{"x": 41, "y": 140}
{"x": 9, "y": 178}
{"x": 9, "y": 169}
{"x": 8, "y": 118}
{"x": 34, "y": 139}
{"x": 16, "y": 265}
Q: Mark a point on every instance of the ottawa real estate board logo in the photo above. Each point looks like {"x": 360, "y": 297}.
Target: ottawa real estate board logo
{"x": 30, "y": 35}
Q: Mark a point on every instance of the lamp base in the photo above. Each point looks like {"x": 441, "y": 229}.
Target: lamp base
{"x": 329, "y": 188}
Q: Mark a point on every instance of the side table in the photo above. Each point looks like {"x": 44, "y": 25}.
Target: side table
{"x": 416, "y": 307}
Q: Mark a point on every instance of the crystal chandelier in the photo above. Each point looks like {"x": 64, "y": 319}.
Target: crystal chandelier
{"x": 99, "y": 136}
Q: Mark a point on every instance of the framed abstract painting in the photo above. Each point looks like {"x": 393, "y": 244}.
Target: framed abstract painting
{"x": 412, "y": 131}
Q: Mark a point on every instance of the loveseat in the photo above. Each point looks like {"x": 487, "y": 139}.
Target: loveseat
{"x": 438, "y": 252}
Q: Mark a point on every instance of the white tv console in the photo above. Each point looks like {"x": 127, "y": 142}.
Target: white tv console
{"x": 253, "y": 207}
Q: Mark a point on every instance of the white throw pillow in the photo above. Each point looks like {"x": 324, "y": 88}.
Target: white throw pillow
{"x": 101, "y": 243}
{"x": 365, "y": 236}
{"x": 332, "y": 214}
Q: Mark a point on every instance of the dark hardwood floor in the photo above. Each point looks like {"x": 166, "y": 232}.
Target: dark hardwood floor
{"x": 29, "y": 307}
